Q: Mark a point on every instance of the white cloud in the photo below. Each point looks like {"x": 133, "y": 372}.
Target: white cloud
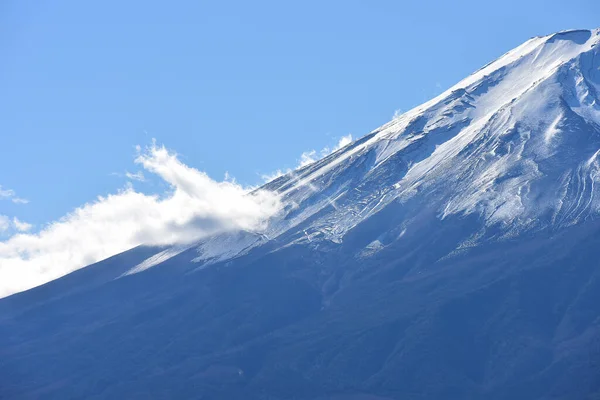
{"x": 21, "y": 226}
{"x": 195, "y": 206}
{"x": 344, "y": 141}
{"x": 138, "y": 176}
{"x": 274, "y": 175}
{"x": 19, "y": 200}
{"x": 309, "y": 157}
{"x": 9, "y": 194}
{"x": 6, "y": 193}
{"x": 4, "y": 223}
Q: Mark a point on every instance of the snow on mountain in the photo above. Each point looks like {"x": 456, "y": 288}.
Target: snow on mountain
{"x": 516, "y": 142}
{"x": 485, "y": 143}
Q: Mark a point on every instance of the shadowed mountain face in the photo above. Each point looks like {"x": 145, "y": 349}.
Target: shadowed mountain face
{"x": 450, "y": 254}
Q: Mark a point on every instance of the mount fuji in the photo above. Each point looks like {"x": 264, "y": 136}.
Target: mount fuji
{"x": 450, "y": 254}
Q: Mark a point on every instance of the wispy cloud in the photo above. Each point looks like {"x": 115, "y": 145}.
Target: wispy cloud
{"x": 9, "y": 194}
{"x": 21, "y": 226}
{"x": 309, "y": 157}
{"x": 6, "y": 193}
{"x": 343, "y": 142}
{"x": 137, "y": 176}
{"x": 132, "y": 176}
{"x": 4, "y": 223}
{"x": 194, "y": 206}
{"x": 19, "y": 200}
{"x": 8, "y": 225}
{"x": 274, "y": 175}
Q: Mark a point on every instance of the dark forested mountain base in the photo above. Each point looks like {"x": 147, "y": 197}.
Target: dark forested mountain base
{"x": 516, "y": 319}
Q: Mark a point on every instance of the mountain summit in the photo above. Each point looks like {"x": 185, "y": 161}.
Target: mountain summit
{"x": 449, "y": 254}
{"x": 516, "y": 142}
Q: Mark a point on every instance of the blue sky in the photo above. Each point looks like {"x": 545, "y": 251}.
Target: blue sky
{"x": 236, "y": 86}
{"x": 231, "y": 86}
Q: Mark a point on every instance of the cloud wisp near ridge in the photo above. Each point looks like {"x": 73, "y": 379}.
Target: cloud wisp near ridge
{"x": 193, "y": 206}
{"x": 309, "y": 157}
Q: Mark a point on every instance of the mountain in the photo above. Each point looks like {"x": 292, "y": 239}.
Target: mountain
{"x": 450, "y": 254}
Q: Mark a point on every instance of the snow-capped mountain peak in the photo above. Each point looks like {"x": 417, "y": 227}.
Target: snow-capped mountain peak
{"x": 516, "y": 142}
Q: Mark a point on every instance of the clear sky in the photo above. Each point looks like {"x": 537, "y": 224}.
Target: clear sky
{"x": 232, "y": 86}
